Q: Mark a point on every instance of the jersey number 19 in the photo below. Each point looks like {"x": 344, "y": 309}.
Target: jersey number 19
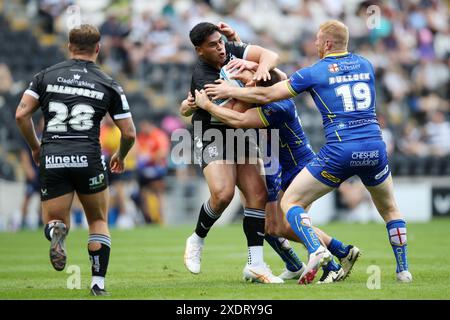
{"x": 359, "y": 93}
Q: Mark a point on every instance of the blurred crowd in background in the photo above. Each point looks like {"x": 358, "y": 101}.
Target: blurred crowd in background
{"x": 146, "y": 47}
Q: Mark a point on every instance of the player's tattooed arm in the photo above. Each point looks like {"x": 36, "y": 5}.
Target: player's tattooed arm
{"x": 248, "y": 119}
{"x": 27, "y": 106}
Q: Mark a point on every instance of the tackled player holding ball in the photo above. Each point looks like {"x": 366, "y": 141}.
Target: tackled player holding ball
{"x": 222, "y": 173}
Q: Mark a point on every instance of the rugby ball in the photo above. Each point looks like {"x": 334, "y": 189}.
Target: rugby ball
{"x": 226, "y": 75}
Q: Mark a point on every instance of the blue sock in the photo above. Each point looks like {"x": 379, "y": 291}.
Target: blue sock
{"x": 397, "y": 237}
{"x": 338, "y": 249}
{"x": 300, "y": 223}
{"x": 288, "y": 254}
{"x": 331, "y": 266}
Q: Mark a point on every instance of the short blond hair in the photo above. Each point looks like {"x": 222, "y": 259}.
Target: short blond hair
{"x": 337, "y": 31}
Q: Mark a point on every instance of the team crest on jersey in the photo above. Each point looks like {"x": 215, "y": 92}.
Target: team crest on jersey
{"x": 333, "y": 67}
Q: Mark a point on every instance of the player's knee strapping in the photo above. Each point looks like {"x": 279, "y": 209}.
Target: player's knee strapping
{"x": 286, "y": 253}
{"x": 206, "y": 219}
{"x": 100, "y": 258}
{"x": 397, "y": 237}
{"x": 301, "y": 224}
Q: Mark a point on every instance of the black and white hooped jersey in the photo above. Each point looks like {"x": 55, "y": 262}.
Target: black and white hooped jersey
{"x": 74, "y": 97}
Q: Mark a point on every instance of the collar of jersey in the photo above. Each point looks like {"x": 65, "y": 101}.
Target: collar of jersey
{"x": 336, "y": 54}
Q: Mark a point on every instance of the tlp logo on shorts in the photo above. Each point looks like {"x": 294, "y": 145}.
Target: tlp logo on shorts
{"x": 97, "y": 182}
{"x": 53, "y": 162}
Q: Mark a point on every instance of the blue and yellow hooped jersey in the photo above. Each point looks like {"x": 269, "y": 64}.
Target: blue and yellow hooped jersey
{"x": 343, "y": 88}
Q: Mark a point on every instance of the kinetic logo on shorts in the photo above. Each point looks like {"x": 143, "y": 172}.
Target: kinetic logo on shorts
{"x": 53, "y": 162}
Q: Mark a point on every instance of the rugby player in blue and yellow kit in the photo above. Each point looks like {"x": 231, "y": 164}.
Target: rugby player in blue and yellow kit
{"x": 342, "y": 85}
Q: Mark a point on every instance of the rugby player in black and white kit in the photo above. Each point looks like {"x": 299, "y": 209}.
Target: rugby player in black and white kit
{"x": 223, "y": 170}
{"x": 74, "y": 96}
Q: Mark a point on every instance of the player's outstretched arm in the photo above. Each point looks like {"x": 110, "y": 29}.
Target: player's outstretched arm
{"x": 128, "y": 135}
{"x": 261, "y": 95}
{"x": 248, "y": 119}
{"x": 27, "y": 106}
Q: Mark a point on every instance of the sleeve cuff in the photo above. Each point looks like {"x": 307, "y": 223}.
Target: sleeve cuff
{"x": 244, "y": 56}
{"x": 291, "y": 90}
{"x": 262, "y": 117}
{"x": 32, "y": 93}
{"x": 122, "y": 116}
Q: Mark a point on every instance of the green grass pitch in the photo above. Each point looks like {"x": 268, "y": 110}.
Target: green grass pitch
{"x": 147, "y": 263}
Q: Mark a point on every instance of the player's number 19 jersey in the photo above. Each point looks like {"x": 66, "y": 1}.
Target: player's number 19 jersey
{"x": 343, "y": 89}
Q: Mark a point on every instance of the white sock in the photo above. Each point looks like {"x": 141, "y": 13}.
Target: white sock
{"x": 99, "y": 281}
{"x": 197, "y": 239}
{"x": 255, "y": 256}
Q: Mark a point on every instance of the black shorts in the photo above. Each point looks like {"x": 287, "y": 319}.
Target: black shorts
{"x": 224, "y": 143}
{"x": 64, "y": 173}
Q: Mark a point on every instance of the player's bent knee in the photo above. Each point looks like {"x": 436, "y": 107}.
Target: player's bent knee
{"x": 221, "y": 199}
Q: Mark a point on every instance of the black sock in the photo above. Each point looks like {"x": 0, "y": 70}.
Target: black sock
{"x": 100, "y": 258}
{"x": 206, "y": 219}
{"x": 254, "y": 220}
